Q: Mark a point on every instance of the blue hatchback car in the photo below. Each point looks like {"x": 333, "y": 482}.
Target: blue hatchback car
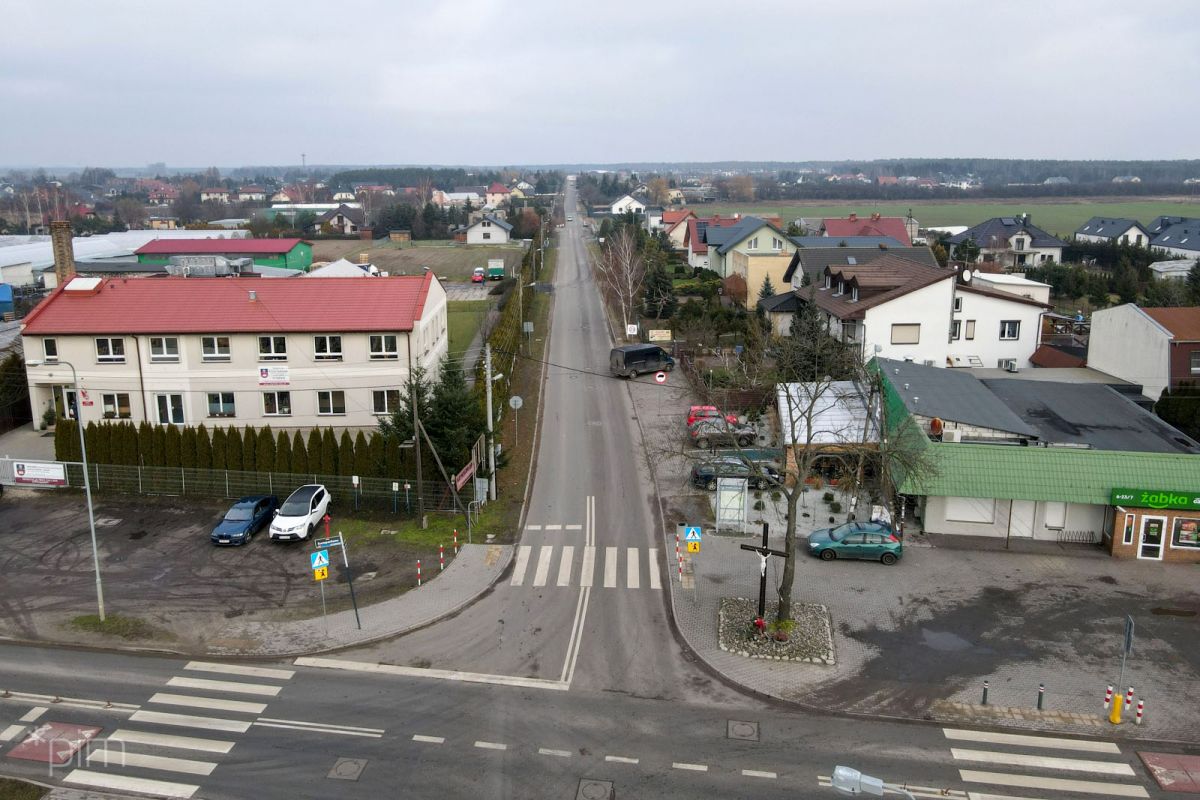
{"x": 247, "y": 517}
{"x": 869, "y": 541}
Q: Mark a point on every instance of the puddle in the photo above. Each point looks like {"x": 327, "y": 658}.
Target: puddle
{"x": 1173, "y": 612}
{"x": 944, "y": 641}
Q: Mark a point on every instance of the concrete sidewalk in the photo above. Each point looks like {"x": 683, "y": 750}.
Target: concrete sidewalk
{"x": 27, "y": 442}
{"x": 472, "y": 573}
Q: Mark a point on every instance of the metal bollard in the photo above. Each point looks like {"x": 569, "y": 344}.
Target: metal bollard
{"x": 985, "y": 691}
{"x": 456, "y": 541}
{"x": 1128, "y": 698}
{"x": 1141, "y": 708}
{"x": 418, "y": 572}
{"x": 441, "y": 557}
{"x": 1041, "y": 695}
{"x": 1108, "y": 698}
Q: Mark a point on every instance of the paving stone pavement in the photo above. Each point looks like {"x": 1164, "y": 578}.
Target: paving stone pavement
{"x": 918, "y": 639}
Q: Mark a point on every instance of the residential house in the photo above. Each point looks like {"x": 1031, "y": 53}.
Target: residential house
{"x": 1176, "y": 270}
{"x": 811, "y": 257}
{"x": 626, "y": 204}
{"x": 1154, "y": 347}
{"x": 289, "y": 353}
{"x": 1178, "y": 236}
{"x": 752, "y": 236}
{"x": 497, "y": 194}
{"x": 654, "y": 218}
{"x": 344, "y": 269}
{"x": 285, "y": 196}
{"x": 489, "y": 230}
{"x": 994, "y": 327}
{"x": 344, "y": 197}
{"x": 525, "y": 186}
{"x": 217, "y": 194}
{"x": 288, "y": 253}
{"x": 1014, "y": 458}
{"x": 831, "y": 417}
{"x": 675, "y": 224}
{"x": 343, "y": 220}
{"x": 1113, "y": 230}
{"x": 157, "y": 223}
{"x": 694, "y": 238}
{"x": 254, "y": 194}
{"x": 456, "y": 199}
{"x": 1010, "y": 242}
{"x": 875, "y": 225}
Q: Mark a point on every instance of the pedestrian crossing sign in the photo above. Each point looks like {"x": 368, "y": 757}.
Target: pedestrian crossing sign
{"x": 693, "y": 547}
{"x": 320, "y": 573}
{"x": 319, "y": 558}
{"x": 691, "y": 533}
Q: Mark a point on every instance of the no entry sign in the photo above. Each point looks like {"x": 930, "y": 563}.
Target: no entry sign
{"x": 661, "y": 377}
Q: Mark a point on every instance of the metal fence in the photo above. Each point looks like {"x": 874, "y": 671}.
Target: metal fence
{"x": 368, "y": 494}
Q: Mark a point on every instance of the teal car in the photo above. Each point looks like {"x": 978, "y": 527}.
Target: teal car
{"x": 868, "y": 541}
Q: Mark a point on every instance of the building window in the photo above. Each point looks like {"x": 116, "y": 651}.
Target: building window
{"x": 220, "y": 404}
{"x": 955, "y": 330}
{"x": 752, "y": 244}
{"x": 828, "y": 281}
{"x": 848, "y": 331}
{"x": 50, "y": 350}
{"x": 907, "y": 333}
{"x": 487, "y": 235}
{"x": 1194, "y": 362}
{"x": 1186, "y": 533}
{"x": 1018, "y": 243}
{"x": 110, "y": 350}
{"x": 776, "y": 244}
{"x": 853, "y": 294}
{"x": 331, "y": 402}
{"x": 971, "y": 509}
{"x": 1127, "y": 537}
{"x": 385, "y": 401}
{"x": 170, "y": 408}
{"x": 1056, "y": 515}
{"x": 116, "y": 406}
{"x": 272, "y": 348}
{"x": 164, "y": 348}
{"x": 327, "y": 348}
{"x": 958, "y": 304}
{"x": 970, "y": 329}
{"x": 1010, "y": 329}
{"x": 214, "y": 348}
{"x": 383, "y": 346}
{"x": 277, "y": 404}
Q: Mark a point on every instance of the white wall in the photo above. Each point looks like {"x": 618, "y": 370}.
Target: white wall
{"x": 1133, "y": 232}
{"x": 930, "y": 307}
{"x": 475, "y": 233}
{"x": 935, "y": 518}
{"x": 1127, "y": 344}
{"x": 988, "y": 312}
{"x": 626, "y": 204}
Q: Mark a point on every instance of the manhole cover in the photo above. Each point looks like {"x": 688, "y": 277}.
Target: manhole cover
{"x": 736, "y": 729}
{"x": 347, "y": 769}
{"x": 594, "y": 790}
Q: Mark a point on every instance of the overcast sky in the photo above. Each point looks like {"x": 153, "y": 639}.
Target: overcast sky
{"x": 122, "y": 83}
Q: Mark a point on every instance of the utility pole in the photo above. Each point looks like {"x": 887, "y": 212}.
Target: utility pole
{"x": 487, "y": 379}
{"x": 413, "y": 399}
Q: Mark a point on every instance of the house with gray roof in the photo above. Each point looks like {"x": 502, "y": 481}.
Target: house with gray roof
{"x": 1113, "y": 230}
{"x": 1009, "y": 242}
{"x": 815, "y": 253}
{"x": 751, "y": 236}
{"x": 1177, "y": 236}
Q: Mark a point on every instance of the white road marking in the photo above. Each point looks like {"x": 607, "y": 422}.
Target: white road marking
{"x": 72, "y": 702}
{"x": 32, "y": 714}
{"x": 11, "y": 732}
{"x": 589, "y": 567}
{"x": 1061, "y": 784}
{"x": 692, "y": 767}
{"x": 121, "y": 783}
{"x": 543, "y": 565}
{"x": 491, "y": 745}
{"x": 652, "y": 564}
{"x": 233, "y": 687}
{"x": 429, "y": 739}
{"x": 533, "y": 527}
{"x": 240, "y": 669}
{"x": 574, "y": 655}
{"x": 189, "y": 721}
{"x": 169, "y": 740}
{"x": 1048, "y": 742}
{"x": 321, "y": 725}
{"x": 439, "y": 674}
{"x": 564, "y": 565}
{"x": 633, "y": 572}
{"x": 621, "y": 759}
{"x": 572, "y": 527}
{"x": 1043, "y": 762}
{"x": 552, "y": 527}
{"x": 312, "y": 729}
{"x": 211, "y": 703}
{"x": 119, "y": 758}
{"x": 931, "y": 792}
{"x": 610, "y": 568}
{"x": 545, "y": 751}
{"x": 758, "y": 773}
{"x": 522, "y": 564}
{"x": 978, "y": 796}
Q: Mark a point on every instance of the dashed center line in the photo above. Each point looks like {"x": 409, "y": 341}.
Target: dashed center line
{"x": 758, "y": 773}
{"x": 429, "y": 739}
{"x": 491, "y": 746}
{"x": 546, "y": 751}
{"x": 692, "y": 767}
{"x": 621, "y": 759}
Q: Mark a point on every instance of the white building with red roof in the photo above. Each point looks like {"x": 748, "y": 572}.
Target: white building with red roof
{"x": 497, "y": 193}
{"x": 239, "y": 351}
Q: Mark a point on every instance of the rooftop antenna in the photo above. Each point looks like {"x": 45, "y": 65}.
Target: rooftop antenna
{"x": 304, "y": 162}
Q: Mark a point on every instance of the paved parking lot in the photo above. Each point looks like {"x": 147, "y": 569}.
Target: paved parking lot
{"x": 466, "y": 291}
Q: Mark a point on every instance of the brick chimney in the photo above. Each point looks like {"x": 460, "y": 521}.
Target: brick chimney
{"x": 64, "y": 252}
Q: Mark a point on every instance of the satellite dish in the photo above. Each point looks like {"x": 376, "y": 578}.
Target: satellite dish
{"x": 966, "y": 276}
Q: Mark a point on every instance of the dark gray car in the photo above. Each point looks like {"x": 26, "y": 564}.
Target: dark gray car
{"x": 718, "y": 432}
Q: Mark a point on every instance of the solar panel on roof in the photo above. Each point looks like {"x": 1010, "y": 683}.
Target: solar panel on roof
{"x": 851, "y": 260}
{"x": 1007, "y": 221}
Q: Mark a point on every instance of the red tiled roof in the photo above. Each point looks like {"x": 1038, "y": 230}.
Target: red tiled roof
{"x": 880, "y": 280}
{"x": 1183, "y": 323}
{"x": 868, "y": 226}
{"x": 1052, "y": 357}
{"x": 670, "y": 217}
{"x": 693, "y": 233}
{"x": 176, "y": 247}
{"x": 498, "y": 188}
{"x": 223, "y": 305}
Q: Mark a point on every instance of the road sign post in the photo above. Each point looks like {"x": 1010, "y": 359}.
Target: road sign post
{"x": 337, "y": 541}
{"x": 1126, "y": 648}
{"x": 764, "y": 552}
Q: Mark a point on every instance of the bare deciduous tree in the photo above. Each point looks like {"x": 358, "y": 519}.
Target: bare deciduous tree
{"x": 622, "y": 270}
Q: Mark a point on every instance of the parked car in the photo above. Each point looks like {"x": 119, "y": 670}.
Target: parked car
{"x": 705, "y": 475}
{"x": 300, "y": 514}
{"x": 631, "y": 360}
{"x": 244, "y": 519}
{"x": 870, "y": 541}
{"x": 478, "y": 275}
{"x": 712, "y": 431}
{"x": 705, "y": 412}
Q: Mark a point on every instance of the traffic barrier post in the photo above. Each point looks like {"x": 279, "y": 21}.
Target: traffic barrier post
{"x": 985, "y": 692}
{"x": 418, "y": 572}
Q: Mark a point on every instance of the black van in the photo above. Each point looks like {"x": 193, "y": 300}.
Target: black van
{"x": 631, "y": 360}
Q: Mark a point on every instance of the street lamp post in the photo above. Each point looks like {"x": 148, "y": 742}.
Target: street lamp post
{"x": 87, "y": 481}
{"x": 848, "y": 780}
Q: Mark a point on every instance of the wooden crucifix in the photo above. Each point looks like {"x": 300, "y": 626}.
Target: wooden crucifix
{"x": 764, "y": 552}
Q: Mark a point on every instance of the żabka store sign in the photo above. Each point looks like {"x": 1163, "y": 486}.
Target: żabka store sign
{"x": 1156, "y": 499}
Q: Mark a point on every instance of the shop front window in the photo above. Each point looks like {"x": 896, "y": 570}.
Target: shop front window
{"x": 1186, "y": 533}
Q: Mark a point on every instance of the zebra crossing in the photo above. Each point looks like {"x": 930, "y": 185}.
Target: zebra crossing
{"x": 995, "y": 764}
{"x": 586, "y": 567}
{"x": 175, "y": 738}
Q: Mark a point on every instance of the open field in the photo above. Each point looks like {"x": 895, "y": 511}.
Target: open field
{"x": 448, "y": 261}
{"x": 1056, "y": 215}
{"x": 463, "y": 319}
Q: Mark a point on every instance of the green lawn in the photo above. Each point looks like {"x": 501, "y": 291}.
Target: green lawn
{"x": 11, "y": 789}
{"x": 1056, "y": 216}
{"x": 463, "y": 318}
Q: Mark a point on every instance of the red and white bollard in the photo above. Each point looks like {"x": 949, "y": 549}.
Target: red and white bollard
{"x": 1141, "y": 707}
{"x": 418, "y": 572}
{"x": 456, "y": 541}
{"x": 1108, "y": 698}
{"x": 1128, "y": 698}
{"x": 679, "y": 559}
{"x": 441, "y": 558}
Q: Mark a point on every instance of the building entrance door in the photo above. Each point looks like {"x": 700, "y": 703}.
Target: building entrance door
{"x": 1151, "y": 544}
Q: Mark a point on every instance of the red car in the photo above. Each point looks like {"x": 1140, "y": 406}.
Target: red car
{"x": 707, "y": 412}
{"x": 478, "y": 275}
